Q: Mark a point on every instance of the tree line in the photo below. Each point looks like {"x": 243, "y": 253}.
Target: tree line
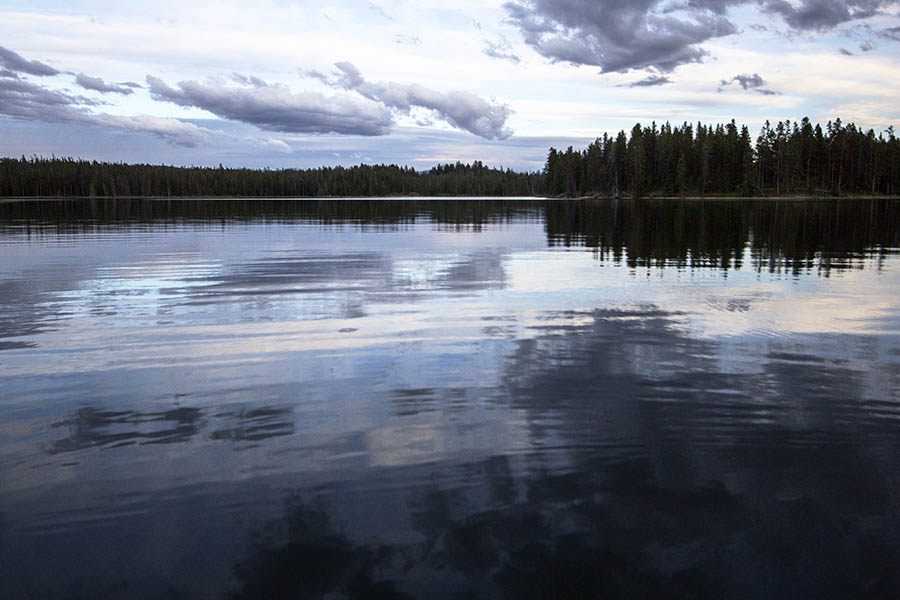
{"x": 67, "y": 177}
{"x": 791, "y": 157}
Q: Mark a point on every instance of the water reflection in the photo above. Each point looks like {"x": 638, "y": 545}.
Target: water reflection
{"x": 60, "y": 217}
{"x": 486, "y": 399}
{"x": 787, "y": 236}
{"x": 617, "y": 533}
{"x": 782, "y": 234}
{"x": 92, "y": 427}
{"x": 256, "y": 424}
{"x": 305, "y": 556}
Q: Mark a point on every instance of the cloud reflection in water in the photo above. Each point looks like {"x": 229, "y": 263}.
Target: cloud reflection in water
{"x": 494, "y": 399}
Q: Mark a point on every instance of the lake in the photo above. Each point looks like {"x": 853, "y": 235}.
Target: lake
{"x": 449, "y": 399}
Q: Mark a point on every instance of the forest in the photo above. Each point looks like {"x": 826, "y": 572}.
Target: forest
{"x": 66, "y": 177}
{"x": 789, "y": 158}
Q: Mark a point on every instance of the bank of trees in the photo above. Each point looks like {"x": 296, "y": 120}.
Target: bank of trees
{"x": 36, "y": 177}
{"x": 790, "y": 157}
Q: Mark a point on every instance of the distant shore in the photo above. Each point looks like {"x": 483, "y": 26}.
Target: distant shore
{"x": 803, "y": 197}
{"x": 210, "y": 197}
{"x": 797, "y": 198}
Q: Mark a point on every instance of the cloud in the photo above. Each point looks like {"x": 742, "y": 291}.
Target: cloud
{"x": 820, "y": 15}
{"x": 807, "y": 15}
{"x": 500, "y": 49}
{"x": 172, "y": 130}
{"x": 866, "y": 46}
{"x": 747, "y": 81}
{"x": 277, "y": 145}
{"x": 22, "y": 99}
{"x": 753, "y": 82}
{"x": 25, "y": 100}
{"x": 275, "y": 108}
{"x": 248, "y": 80}
{"x": 618, "y": 35}
{"x": 14, "y": 62}
{"x": 374, "y": 7}
{"x": 891, "y": 33}
{"x": 409, "y": 40}
{"x": 650, "y": 81}
{"x": 98, "y": 85}
{"x": 462, "y": 110}
{"x": 845, "y": 52}
{"x": 407, "y": 145}
{"x": 28, "y": 101}
{"x": 315, "y": 74}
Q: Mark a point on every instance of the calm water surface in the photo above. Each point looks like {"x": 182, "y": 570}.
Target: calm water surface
{"x": 449, "y": 399}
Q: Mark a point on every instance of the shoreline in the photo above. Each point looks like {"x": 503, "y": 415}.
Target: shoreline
{"x": 799, "y": 198}
{"x": 8, "y": 199}
{"x": 804, "y": 197}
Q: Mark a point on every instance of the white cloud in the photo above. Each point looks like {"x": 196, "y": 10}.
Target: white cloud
{"x": 173, "y": 130}
{"x": 278, "y": 145}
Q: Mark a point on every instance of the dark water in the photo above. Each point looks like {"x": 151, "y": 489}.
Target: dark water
{"x": 449, "y": 399}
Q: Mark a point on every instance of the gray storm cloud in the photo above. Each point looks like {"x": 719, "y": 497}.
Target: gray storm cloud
{"x": 753, "y": 82}
{"x": 819, "y": 15}
{"x": 275, "y": 108}
{"x": 98, "y": 85}
{"x": 803, "y": 15}
{"x": 14, "y": 62}
{"x": 23, "y": 99}
{"x": 890, "y": 33}
{"x": 619, "y": 35}
{"x": 747, "y": 81}
{"x": 28, "y": 101}
{"x": 462, "y": 110}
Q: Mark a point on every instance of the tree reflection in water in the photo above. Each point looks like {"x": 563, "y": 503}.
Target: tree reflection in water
{"x": 638, "y": 483}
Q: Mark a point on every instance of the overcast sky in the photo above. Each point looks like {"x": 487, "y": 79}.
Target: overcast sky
{"x": 280, "y": 83}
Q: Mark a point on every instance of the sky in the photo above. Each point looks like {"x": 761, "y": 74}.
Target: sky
{"x": 302, "y": 84}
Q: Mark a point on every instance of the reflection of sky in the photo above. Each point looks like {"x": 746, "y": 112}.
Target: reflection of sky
{"x": 182, "y": 365}
{"x": 251, "y": 293}
{"x": 242, "y": 295}
{"x": 716, "y": 303}
{"x": 194, "y": 315}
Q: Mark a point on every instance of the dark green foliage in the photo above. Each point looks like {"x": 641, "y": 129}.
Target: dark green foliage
{"x": 41, "y": 177}
{"x": 789, "y": 158}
